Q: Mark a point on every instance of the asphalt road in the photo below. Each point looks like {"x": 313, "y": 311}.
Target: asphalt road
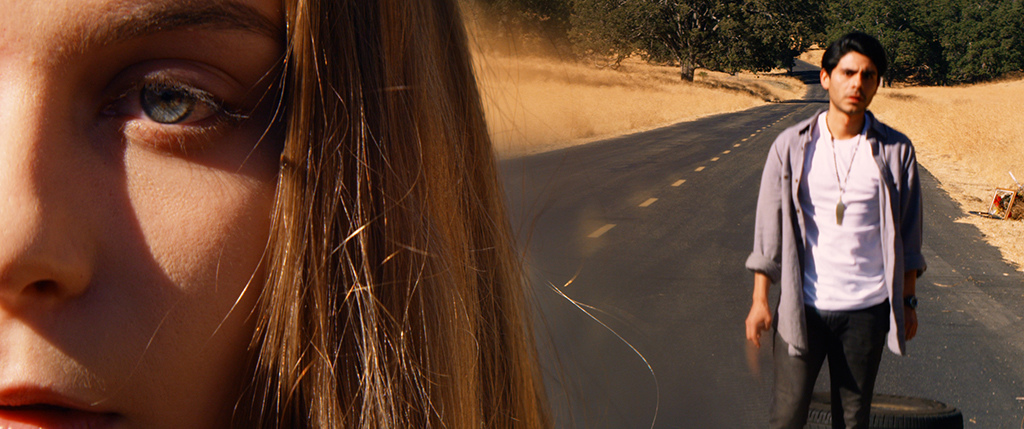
{"x": 646, "y": 236}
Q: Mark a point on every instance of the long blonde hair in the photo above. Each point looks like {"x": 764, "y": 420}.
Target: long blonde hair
{"x": 394, "y": 297}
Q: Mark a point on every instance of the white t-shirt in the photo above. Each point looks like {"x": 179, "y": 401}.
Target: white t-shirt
{"x": 844, "y": 268}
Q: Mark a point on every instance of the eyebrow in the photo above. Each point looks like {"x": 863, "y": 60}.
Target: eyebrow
{"x": 853, "y": 70}
{"x": 217, "y": 15}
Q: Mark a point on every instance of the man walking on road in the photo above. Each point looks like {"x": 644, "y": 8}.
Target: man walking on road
{"x": 839, "y": 228}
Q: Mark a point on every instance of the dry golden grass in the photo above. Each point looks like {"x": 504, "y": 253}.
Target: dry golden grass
{"x": 813, "y": 56}
{"x": 536, "y": 101}
{"x": 535, "y": 104}
{"x": 968, "y": 137}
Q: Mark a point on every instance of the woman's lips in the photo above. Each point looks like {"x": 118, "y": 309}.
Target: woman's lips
{"x": 52, "y": 417}
{"x": 40, "y": 408}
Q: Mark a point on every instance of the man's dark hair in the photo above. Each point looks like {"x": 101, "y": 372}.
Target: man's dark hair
{"x": 858, "y": 42}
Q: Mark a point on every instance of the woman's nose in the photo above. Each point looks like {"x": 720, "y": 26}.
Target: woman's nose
{"x": 44, "y": 254}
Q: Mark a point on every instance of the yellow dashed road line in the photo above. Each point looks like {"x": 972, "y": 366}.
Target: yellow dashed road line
{"x": 600, "y": 231}
{"x": 647, "y": 203}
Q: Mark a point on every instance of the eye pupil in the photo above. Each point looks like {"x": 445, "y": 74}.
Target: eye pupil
{"x": 166, "y": 105}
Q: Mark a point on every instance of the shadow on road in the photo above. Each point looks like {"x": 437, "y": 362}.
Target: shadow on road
{"x": 807, "y": 73}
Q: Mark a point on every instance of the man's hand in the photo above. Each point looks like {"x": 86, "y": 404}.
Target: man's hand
{"x": 910, "y": 322}
{"x": 758, "y": 321}
{"x": 910, "y": 314}
{"x": 760, "y": 317}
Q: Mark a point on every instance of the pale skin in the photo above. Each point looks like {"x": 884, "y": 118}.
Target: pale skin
{"x": 851, "y": 86}
{"x": 135, "y": 198}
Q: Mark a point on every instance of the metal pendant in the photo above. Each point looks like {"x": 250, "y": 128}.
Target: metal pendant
{"x": 840, "y": 209}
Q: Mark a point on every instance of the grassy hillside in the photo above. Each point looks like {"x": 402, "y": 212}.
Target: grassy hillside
{"x": 969, "y": 137}
{"x": 536, "y": 103}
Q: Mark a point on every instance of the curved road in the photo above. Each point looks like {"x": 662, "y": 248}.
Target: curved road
{"x": 648, "y": 234}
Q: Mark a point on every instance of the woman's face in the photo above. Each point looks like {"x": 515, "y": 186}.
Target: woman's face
{"x": 137, "y": 173}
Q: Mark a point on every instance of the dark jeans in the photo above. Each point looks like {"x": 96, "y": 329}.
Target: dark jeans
{"x": 853, "y": 342}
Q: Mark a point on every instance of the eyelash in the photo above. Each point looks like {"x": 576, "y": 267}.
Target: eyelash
{"x": 134, "y": 94}
{"x": 205, "y": 116}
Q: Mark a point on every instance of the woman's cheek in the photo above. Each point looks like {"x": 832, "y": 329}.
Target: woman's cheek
{"x": 203, "y": 226}
{"x": 206, "y": 229}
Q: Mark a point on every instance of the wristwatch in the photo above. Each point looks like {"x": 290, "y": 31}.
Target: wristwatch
{"x": 910, "y": 301}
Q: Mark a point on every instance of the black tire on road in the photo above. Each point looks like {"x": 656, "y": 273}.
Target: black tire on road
{"x": 892, "y": 412}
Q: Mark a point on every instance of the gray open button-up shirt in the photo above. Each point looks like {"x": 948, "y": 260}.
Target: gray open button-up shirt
{"x": 779, "y": 232}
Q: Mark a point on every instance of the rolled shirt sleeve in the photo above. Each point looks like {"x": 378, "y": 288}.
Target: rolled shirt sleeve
{"x": 767, "y": 254}
{"x": 911, "y": 222}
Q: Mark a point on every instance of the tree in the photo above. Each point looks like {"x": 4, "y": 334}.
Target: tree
{"x": 928, "y": 41}
{"x": 606, "y": 28}
{"x": 546, "y": 19}
{"x": 939, "y": 41}
{"x": 897, "y": 25}
{"x": 983, "y": 39}
{"x": 556, "y": 12}
{"x": 724, "y": 35}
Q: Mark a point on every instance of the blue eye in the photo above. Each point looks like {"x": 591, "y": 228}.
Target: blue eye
{"x": 166, "y": 104}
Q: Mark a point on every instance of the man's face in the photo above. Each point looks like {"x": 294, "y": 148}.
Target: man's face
{"x": 852, "y": 84}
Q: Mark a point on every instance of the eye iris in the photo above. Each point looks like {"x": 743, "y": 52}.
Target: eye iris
{"x": 166, "y": 105}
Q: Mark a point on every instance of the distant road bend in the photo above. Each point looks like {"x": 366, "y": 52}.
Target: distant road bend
{"x": 649, "y": 233}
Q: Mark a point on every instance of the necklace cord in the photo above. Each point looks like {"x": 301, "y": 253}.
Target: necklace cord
{"x": 849, "y": 168}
